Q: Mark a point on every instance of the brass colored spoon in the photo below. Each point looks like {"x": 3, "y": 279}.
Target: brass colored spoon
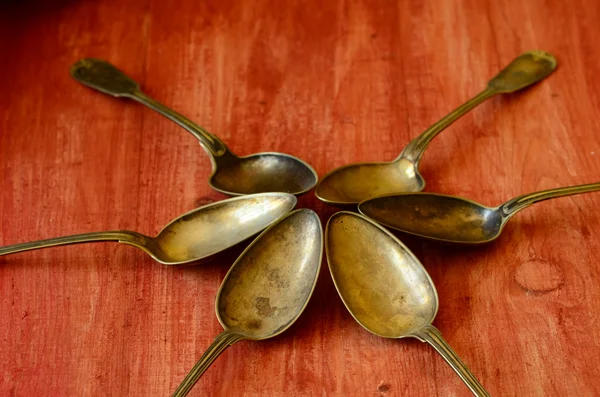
{"x": 233, "y": 175}
{"x": 267, "y": 288}
{"x": 354, "y": 183}
{"x": 194, "y": 236}
{"x": 454, "y": 219}
{"x": 385, "y": 287}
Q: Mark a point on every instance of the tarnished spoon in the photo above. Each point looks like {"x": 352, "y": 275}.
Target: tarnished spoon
{"x": 454, "y": 219}
{"x": 351, "y": 184}
{"x": 233, "y": 175}
{"x": 194, "y": 236}
{"x": 267, "y": 288}
{"x": 385, "y": 287}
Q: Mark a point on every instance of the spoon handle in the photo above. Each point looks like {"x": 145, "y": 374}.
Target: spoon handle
{"x": 108, "y": 79}
{"x": 213, "y": 144}
{"x": 122, "y": 236}
{"x": 432, "y": 335}
{"x": 221, "y": 342}
{"x": 415, "y": 148}
{"x": 515, "y": 205}
{"x": 525, "y": 70}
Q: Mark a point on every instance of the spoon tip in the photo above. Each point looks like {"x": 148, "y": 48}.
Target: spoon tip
{"x": 544, "y": 56}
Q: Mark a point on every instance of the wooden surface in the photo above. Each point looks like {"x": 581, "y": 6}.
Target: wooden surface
{"x": 332, "y": 82}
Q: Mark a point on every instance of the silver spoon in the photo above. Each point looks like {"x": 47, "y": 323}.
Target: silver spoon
{"x": 351, "y": 184}
{"x": 385, "y": 287}
{"x": 194, "y": 236}
{"x": 454, "y": 219}
{"x": 232, "y": 175}
{"x": 267, "y": 288}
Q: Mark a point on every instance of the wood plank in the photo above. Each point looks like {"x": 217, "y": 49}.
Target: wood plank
{"x": 333, "y": 83}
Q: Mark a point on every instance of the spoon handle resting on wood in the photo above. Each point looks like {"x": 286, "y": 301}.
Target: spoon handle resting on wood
{"x": 221, "y": 342}
{"x": 415, "y": 148}
{"x": 108, "y": 79}
{"x": 122, "y": 236}
{"x": 525, "y": 70}
{"x": 432, "y": 335}
{"x": 515, "y": 205}
{"x": 213, "y": 144}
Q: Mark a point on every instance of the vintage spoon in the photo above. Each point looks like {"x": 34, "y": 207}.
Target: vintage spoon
{"x": 233, "y": 175}
{"x": 385, "y": 287}
{"x": 267, "y": 288}
{"x": 454, "y": 219}
{"x": 194, "y": 236}
{"x": 354, "y": 183}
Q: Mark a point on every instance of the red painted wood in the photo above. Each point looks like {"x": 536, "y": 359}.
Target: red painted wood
{"x": 332, "y": 82}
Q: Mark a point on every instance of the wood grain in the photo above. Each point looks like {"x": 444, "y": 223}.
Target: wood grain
{"x": 332, "y": 82}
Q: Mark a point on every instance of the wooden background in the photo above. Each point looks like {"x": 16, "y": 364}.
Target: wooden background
{"x": 332, "y": 82}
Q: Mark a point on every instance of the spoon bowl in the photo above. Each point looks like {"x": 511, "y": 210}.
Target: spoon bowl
{"x": 232, "y": 175}
{"x": 267, "y": 288}
{"x": 262, "y": 172}
{"x": 195, "y": 236}
{"x": 351, "y": 184}
{"x": 385, "y": 287}
{"x": 382, "y": 284}
{"x": 348, "y": 185}
{"x": 272, "y": 281}
{"x": 454, "y": 219}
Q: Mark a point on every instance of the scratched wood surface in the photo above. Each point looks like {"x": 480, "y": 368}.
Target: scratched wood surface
{"x": 332, "y": 82}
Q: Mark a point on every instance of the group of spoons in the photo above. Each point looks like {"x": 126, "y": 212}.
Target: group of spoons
{"x": 380, "y": 281}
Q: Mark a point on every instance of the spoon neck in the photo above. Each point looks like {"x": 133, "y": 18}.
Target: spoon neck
{"x": 433, "y": 336}
{"x": 415, "y": 149}
{"x": 123, "y": 236}
{"x": 210, "y": 143}
{"x": 515, "y": 205}
{"x": 128, "y": 237}
{"x": 221, "y": 342}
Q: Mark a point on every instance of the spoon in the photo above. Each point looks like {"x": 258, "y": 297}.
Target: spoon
{"x": 232, "y": 175}
{"x": 454, "y": 219}
{"x": 194, "y": 236}
{"x": 385, "y": 287}
{"x": 354, "y": 183}
{"x": 267, "y": 288}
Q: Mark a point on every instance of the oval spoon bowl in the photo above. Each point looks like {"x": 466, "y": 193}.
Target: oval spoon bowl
{"x": 268, "y": 287}
{"x": 340, "y": 188}
{"x": 435, "y": 216}
{"x": 215, "y": 227}
{"x": 263, "y": 172}
{"x": 382, "y": 284}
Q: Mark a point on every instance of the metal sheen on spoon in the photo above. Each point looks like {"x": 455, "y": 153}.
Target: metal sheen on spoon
{"x": 454, "y": 219}
{"x": 232, "y": 175}
{"x": 385, "y": 287}
{"x": 194, "y": 236}
{"x": 267, "y": 288}
{"x": 354, "y": 183}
